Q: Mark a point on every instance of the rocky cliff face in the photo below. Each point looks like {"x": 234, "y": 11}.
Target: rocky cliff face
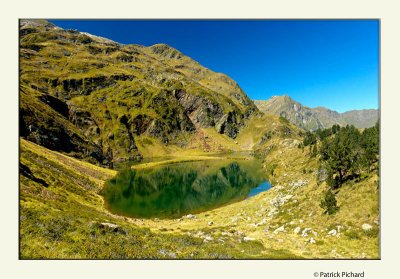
{"x": 92, "y": 98}
{"x": 315, "y": 118}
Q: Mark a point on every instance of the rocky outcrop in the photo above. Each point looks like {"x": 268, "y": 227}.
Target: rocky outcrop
{"x": 175, "y": 118}
{"x": 56, "y": 104}
{"x": 25, "y": 171}
{"x": 166, "y": 51}
{"x": 56, "y": 135}
{"x": 124, "y": 120}
{"x": 229, "y": 124}
{"x": 44, "y": 119}
{"x": 75, "y": 87}
{"x": 91, "y": 97}
{"x": 203, "y": 112}
{"x": 84, "y": 121}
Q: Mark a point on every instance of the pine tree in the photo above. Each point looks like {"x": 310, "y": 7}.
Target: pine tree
{"x": 370, "y": 144}
{"x": 340, "y": 155}
{"x": 329, "y": 202}
{"x": 309, "y": 139}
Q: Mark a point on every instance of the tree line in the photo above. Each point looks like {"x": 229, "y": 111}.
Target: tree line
{"x": 344, "y": 154}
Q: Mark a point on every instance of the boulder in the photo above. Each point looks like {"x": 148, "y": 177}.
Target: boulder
{"x": 167, "y": 253}
{"x": 366, "y": 227}
{"x": 277, "y": 201}
{"x": 208, "y": 238}
{"x": 108, "y": 225}
{"x": 111, "y": 227}
{"x": 286, "y": 198}
{"x": 239, "y": 233}
{"x": 305, "y": 232}
{"x": 297, "y": 230}
{"x": 262, "y": 222}
{"x": 280, "y": 229}
{"x": 299, "y": 183}
{"x": 332, "y": 232}
{"x": 273, "y": 211}
{"x": 246, "y": 238}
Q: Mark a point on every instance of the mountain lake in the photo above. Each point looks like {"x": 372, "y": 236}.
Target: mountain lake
{"x": 174, "y": 190}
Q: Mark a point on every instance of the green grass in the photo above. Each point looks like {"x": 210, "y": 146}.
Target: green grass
{"x": 63, "y": 219}
{"x": 61, "y": 210}
{"x": 62, "y": 64}
{"x": 184, "y": 159}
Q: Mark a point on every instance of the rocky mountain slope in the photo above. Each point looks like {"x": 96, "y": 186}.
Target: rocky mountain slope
{"x": 86, "y": 98}
{"x": 316, "y": 118}
{"x": 97, "y": 100}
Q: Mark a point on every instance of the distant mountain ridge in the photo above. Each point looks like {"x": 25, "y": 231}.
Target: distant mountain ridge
{"x": 315, "y": 118}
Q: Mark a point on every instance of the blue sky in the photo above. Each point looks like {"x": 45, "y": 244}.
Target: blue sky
{"x": 331, "y": 63}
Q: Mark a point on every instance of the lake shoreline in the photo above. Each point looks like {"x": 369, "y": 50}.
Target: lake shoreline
{"x": 186, "y": 159}
{"x": 185, "y": 185}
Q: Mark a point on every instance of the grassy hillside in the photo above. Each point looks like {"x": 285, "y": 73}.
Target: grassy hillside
{"x": 87, "y": 101}
{"x": 61, "y": 215}
{"x": 97, "y": 100}
{"x": 295, "y": 173}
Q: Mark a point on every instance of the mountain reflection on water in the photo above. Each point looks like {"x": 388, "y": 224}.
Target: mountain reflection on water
{"x": 175, "y": 190}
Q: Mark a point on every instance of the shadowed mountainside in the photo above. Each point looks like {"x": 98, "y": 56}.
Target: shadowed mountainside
{"x": 95, "y": 99}
{"x": 87, "y": 98}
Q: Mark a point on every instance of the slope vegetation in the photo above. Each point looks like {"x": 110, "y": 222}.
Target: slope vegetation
{"x": 87, "y": 101}
{"x": 94, "y": 99}
{"x": 62, "y": 217}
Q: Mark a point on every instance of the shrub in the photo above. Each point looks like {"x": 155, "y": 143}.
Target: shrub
{"x": 374, "y": 232}
{"x": 329, "y": 203}
{"x": 309, "y": 139}
{"x": 283, "y": 120}
{"x": 352, "y": 234}
{"x": 83, "y": 39}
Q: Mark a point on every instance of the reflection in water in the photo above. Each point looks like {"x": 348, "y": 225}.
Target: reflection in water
{"x": 175, "y": 190}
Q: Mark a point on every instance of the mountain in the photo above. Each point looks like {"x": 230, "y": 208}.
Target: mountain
{"x": 316, "y": 118}
{"x": 98, "y": 100}
{"x": 84, "y": 98}
{"x": 361, "y": 118}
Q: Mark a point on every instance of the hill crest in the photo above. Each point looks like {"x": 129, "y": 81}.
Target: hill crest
{"x": 315, "y": 118}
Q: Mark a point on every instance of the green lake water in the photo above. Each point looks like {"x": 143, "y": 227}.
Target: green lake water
{"x": 172, "y": 191}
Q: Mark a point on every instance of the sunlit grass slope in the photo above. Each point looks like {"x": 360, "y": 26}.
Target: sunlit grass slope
{"x": 62, "y": 216}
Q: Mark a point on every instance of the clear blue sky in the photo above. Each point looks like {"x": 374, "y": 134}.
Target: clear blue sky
{"x": 331, "y": 63}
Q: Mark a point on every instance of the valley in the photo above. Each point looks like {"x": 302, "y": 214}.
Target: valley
{"x": 135, "y": 152}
